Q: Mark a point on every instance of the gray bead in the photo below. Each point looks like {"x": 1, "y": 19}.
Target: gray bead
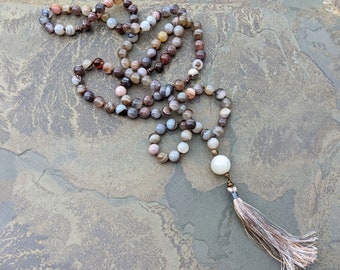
{"x": 174, "y": 105}
{"x": 43, "y": 20}
{"x": 137, "y": 103}
{"x": 218, "y": 131}
{"x": 220, "y": 93}
{"x": 132, "y": 113}
{"x": 160, "y": 129}
{"x": 166, "y": 90}
{"x": 166, "y": 12}
{"x": 133, "y": 37}
{"x": 157, "y": 96}
{"x": 206, "y": 134}
{"x": 156, "y": 113}
{"x": 171, "y": 124}
{"x": 226, "y": 102}
{"x": 174, "y": 156}
{"x": 198, "y": 89}
{"x": 182, "y": 108}
{"x": 182, "y": 97}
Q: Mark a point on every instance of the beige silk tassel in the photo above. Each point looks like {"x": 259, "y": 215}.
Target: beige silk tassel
{"x": 292, "y": 251}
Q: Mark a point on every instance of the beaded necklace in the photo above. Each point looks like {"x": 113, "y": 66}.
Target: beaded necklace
{"x": 292, "y": 251}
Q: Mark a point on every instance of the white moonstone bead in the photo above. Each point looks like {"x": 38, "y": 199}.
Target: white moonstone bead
{"x": 151, "y": 19}
{"x": 220, "y": 165}
{"x": 111, "y": 23}
{"x": 145, "y": 26}
{"x": 174, "y": 156}
{"x": 213, "y": 143}
{"x": 59, "y": 29}
{"x": 183, "y": 147}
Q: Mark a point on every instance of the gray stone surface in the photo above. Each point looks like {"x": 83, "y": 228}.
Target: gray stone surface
{"x": 78, "y": 189}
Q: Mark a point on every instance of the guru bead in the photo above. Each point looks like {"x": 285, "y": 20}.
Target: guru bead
{"x": 220, "y": 165}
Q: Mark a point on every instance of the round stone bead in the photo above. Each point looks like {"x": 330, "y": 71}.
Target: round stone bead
{"x": 225, "y": 113}
{"x": 146, "y": 80}
{"x": 49, "y": 27}
{"x": 155, "y": 85}
{"x": 206, "y": 134}
{"x": 190, "y": 124}
{"x": 174, "y": 105}
{"x": 108, "y": 3}
{"x": 174, "y": 156}
{"x": 198, "y": 128}
{"x": 198, "y": 89}
{"x": 156, "y": 113}
{"x": 182, "y": 108}
{"x": 162, "y": 157}
{"x": 89, "y": 96}
{"x": 154, "y": 149}
{"x": 126, "y": 100}
{"x": 126, "y": 82}
{"x": 107, "y": 68}
{"x": 226, "y": 102}
{"x": 178, "y": 30}
{"x": 171, "y": 124}
{"x": 220, "y": 94}
{"x": 199, "y": 45}
{"x": 59, "y": 29}
{"x": 166, "y": 12}
{"x": 151, "y": 20}
{"x": 156, "y": 43}
{"x": 67, "y": 9}
{"x": 166, "y": 111}
{"x": 56, "y": 9}
{"x": 43, "y": 20}
{"x": 218, "y": 131}
{"x": 145, "y": 26}
{"x": 171, "y": 50}
{"x": 177, "y": 42}
{"x": 182, "y": 97}
{"x": 154, "y": 138}
{"x": 193, "y": 73}
{"x": 213, "y": 143}
{"x": 157, "y": 96}
{"x": 137, "y": 103}
{"x": 109, "y": 107}
{"x": 76, "y": 10}
{"x": 118, "y": 72}
{"x": 144, "y": 112}
{"x": 142, "y": 72}
{"x": 98, "y": 63}
{"x": 160, "y": 129}
{"x": 220, "y": 165}
{"x": 79, "y": 70}
{"x": 81, "y": 89}
{"x": 183, "y": 147}
{"x": 76, "y": 80}
{"x": 87, "y": 64}
{"x": 146, "y": 62}
{"x": 133, "y": 37}
{"x": 186, "y": 135}
{"x": 151, "y": 53}
{"x": 179, "y": 85}
{"x": 121, "y": 110}
{"x": 99, "y": 102}
{"x": 132, "y": 113}
{"x": 111, "y": 23}
{"x": 187, "y": 114}
{"x": 86, "y": 10}
{"x": 209, "y": 90}
{"x": 222, "y": 122}
{"x": 148, "y": 100}
{"x": 190, "y": 93}
{"x": 197, "y": 64}
{"x": 135, "y": 65}
{"x": 120, "y": 91}
{"x": 46, "y": 12}
{"x": 70, "y": 30}
{"x": 135, "y": 78}
{"x": 135, "y": 28}
{"x": 127, "y": 45}
{"x": 169, "y": 28}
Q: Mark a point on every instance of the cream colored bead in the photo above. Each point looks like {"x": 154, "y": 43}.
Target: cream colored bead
{"x": 220, "y": 165}
{"x": 225, "y": 112}
{"x": 186, "y": 135}
{"x": 183, "y": 147}
{"x": 213, "y": 143}
{"x": 209, "y": 90}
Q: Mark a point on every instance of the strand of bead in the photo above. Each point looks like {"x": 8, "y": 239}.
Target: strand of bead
{"x": 92, "y": 15}
{"x": 131, "y": 73}
{"x": 189, "y": 126}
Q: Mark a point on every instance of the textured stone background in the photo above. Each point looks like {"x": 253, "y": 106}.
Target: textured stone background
{"x": 78, "y": 189}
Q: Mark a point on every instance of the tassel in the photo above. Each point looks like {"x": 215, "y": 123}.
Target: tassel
{"x": 292, "y": 251}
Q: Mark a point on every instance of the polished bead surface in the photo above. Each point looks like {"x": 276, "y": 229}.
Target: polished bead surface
{"x": 174, "y": 156}
{"x": 160, "y": 129}
{"x": 99, "y": 8}
{"x": 144, "y": 112}
{"x": 206, "y": 134}
{"x": 135, "y": 28}
{"x": 137, "y": 103}
{"x": 200, "y": 54}
{"x": 148, "y": 100}
{"x": 198, "y": 128}
{"x": 222, "y": 122}
{"x": 76, "y": 80}
{"x": 178, "y": 30}
{"x": 171, "y": 124}
{"x": 162, "y": 157}
{"x": 59, "y": 29}
{"x": 182, "y": 97}
{"x": 132, "y": 113}
{"x": 186, "y": 135}
{"x": 109, "y": 107}
{"x": 199, "y": 45}
{"x": 126, "y": 100}
{"x": 213, "y": 143}
{"x": 43, "y": 20}
{"x": 79, "y": 70}
{"x": 107, "y": 68}
{"x": 98, "y": 63}
{"x": 165, "y": 58}
{"x": 159, "y": 67}
{"x": 156, "y": 113}
{"x": 171, "y": 50}
{"x": 190, "y": 92}
{"x": 118, "y": 72}
{"x": 209, "y": 90}
{"x": 220, "y": 93}
{"x": 197, "y": 64}
{"x": 111, "y": 23}
{"x": 120, "y": 91}
{"x": 218, "y": 131}
{"x": 89, "y": 96}
{"x": 154, "y": 149}
{"x": 225, "y": 113}
{"x": 226, "y": 102}
{"x": 145, "y": 26}
{"x": 154, "y": 138}
{"x": 86, "y": 10}
{"x": 151, "y": 20}
{"x": 162, "y": 36}
{"x": 132, "y": 9}
{"x": 177, "y": 42}
{"x": 108, "y": 3}
{"x": 70, "y": 30}
{"x": 56, "y": 9}
{"x": 81, "y": 89}
{"x": 99, "y": 102}
{"x": 49, "y": 27}
{"x": 121, "y": 110}
{"x": 220, "y": 165}
{"x": 183, "y": 147}
{"x": 122, "y": 53}
{"x": 87, "y": 64}
{"x": 169, "y": 28}
{"x": 190, "y": 124}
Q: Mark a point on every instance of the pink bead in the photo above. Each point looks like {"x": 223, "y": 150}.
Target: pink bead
{"x": 56, "y": 9}
{"x": 108, "y": 3}
{"x": 120, "y": 91}
{"x": 154, "y": 149}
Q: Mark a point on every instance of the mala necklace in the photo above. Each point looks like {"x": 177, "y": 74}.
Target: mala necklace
{"x": 291, "y": 251}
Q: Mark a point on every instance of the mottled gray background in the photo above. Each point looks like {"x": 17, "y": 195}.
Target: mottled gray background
{"x": 78, "y": 189}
